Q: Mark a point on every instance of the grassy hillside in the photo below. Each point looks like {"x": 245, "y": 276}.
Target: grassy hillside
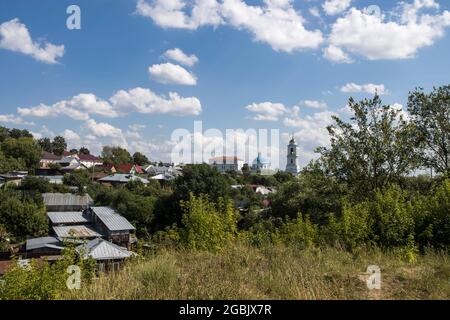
{"x": 276, "y": 272}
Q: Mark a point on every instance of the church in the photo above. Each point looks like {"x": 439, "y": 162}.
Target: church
{"x": 292, "y": 157}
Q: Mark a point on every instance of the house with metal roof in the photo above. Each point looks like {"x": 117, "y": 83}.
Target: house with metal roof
{"x": 68, "y": 218}
{"x": 109, "y": 256}
{"x": 76, "y": 232}
{"x": 113, "y": 226}
{"x": 62, "y": 202}
{"x": 45, "y": 246}
{"x": 120, "y": 179}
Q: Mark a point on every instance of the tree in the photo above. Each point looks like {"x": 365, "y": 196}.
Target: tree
{"x": 17, "y": 133}
{"x": 79, "y": 179}
{"x": 84, "y": 150}
{"x": 116, "y": 155}
{"x": 31, "y": 183}
{"x": 46, "y": 144}
{"x": 59, "y": 145}
{"x": 140, "y": 159}
{"x": 22, "y": 218}
{"x": 23, "y": 149}
{"x": 201, "y": 179}
{"x": 208, "y": 226}
{"x": 375, "y": 149}
{"x": 430, "y": 114}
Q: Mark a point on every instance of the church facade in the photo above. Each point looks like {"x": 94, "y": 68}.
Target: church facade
{"x": 292, "y": 157}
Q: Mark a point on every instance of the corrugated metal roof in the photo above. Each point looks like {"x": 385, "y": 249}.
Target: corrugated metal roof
{"x": 76, "y": 232}
{"x": 123, "y": 178}
{"x": 67, "y": 217}
{"x": 100, "y": 249}
{"x": 66, "y": 199}
{"x": 112, "y": 220}
{"x": 37, "y": 243}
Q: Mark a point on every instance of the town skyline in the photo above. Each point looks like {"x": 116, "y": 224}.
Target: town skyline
{"x": 99, "y": 86}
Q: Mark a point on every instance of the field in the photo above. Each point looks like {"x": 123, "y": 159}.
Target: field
{"x": 275, "y": 272}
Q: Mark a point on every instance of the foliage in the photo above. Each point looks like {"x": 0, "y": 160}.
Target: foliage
{"x": 22, "y": 217}
{"x": 299, "y": 232}
{"x": 207, "y": 226}
{"x": 375, "y": 149}
{"x": 44, "y": 281}
{"x": 115, "y": 155}
{"x": 24, "y": 150}
{"x": 140, "y": 159}
{"x": 84, "y": 150}
{"x": 430, "y": 114}
{"x": 78, "y": 178}
{"x": 59, "y": 145}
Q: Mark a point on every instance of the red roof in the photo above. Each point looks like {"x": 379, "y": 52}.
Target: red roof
{"x": 89, "y": 157}
{"x": 128, "y": 167}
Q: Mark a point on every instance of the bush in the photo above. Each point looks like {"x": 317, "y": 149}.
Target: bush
{"x": 299, "y": 232}
{"x": 207, "y": 226}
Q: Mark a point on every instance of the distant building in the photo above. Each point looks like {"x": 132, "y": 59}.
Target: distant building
{"x": 129, "y": 168}
{"x": 291, "y": 164}
{"x": 225, "y": 163}
{"x": 66, "y": 202}
{"x": 261, "y": 163}
{"x": 120, "y": 179}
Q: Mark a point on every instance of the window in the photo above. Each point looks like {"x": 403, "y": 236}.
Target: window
{"x": 292, "y": 150}
{"x": 292, "y": 161}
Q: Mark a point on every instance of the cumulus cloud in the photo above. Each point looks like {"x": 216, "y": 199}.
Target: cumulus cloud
{"x": 145, "y": 101}
{"x": 15, "y": 36}
{"x": 311, "y": 129}
{"x": 106, "y": 130}
{"x": 78, "y": 107}
{"x": 375, "y": 36}
{"x": 333, "y": 7}
{"x": 267, "y": 111}
{"x": 315, "y": 104}
{"x": 123, "y": 102}
{"x": 12, "y": 119}
{"x": 366, "y": 88}
{"x": 179, "y": 56}
{"x": 276, "y": 22}
{"x": 168, "y": 73}
{"x": 336, "y": 54}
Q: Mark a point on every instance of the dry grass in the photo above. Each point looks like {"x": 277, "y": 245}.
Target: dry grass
{"x": 243, "y": 272}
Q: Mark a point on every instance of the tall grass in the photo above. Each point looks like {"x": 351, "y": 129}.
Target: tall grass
{"x": 272, "y": 272}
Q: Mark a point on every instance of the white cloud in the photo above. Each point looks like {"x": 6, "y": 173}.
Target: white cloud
{"x": 71, "y": 137}
{"x": 12, "y": 119}
{"x": 78, "y": 107}
{"x": 276, "y": 23}
{"x": 375, "y": 37}
{"x": 145, "y": 101}
{"x": 168, "y": 73}
{"x": 314, "y": 11}
{"x": 267, "y": 111}
{"x": 336, "y": 54}
{"x": 314, "y": 104}
{"x": 106, "y": 130}
{"x": 179, "y": 56}
{"x": 14, "y": 36}
{"x": 139, "y": 100}
{"x": 171, "y": 13}
{"x": 333, "y": 7}
{"x": 137, "y": 127}
{"x": 367, "y": 88}
{"x": 312, "y": 129}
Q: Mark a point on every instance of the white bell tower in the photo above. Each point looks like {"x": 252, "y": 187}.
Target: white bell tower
{"x": 292, "y": 157}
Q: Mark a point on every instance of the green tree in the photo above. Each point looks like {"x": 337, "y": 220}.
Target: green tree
{"x": 376, "y": 148}
{"x": 23, "y": 149}
{"x": 37, "y": 184}
{"x": 22, "y": 218}
{"x": 78, "y": 178}
{"x": 116, "y": 155}
{"x": 59, "y": 145}
{"x": 46, "y": 144}
{"x": 140, "y": 159}
{"x": 84, "y": 150}
{"x": 430, "y": 114}
{"x": 206, "y": 225}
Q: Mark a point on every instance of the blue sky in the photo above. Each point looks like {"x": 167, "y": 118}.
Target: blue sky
{"x": 280, "y": 64}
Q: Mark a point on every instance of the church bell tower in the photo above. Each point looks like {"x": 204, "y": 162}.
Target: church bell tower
{"x": 291, "y": 165}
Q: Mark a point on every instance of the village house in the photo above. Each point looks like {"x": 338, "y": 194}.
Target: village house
{"x": 129, "y": 169}
{"x": 66, "y": 202}
{"x": 121, "y": 179}
{"x": 225, "y": 164}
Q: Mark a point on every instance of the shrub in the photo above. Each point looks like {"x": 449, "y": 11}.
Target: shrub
{"x": 299, "y": 232}
{"x": 207, "y": 226}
